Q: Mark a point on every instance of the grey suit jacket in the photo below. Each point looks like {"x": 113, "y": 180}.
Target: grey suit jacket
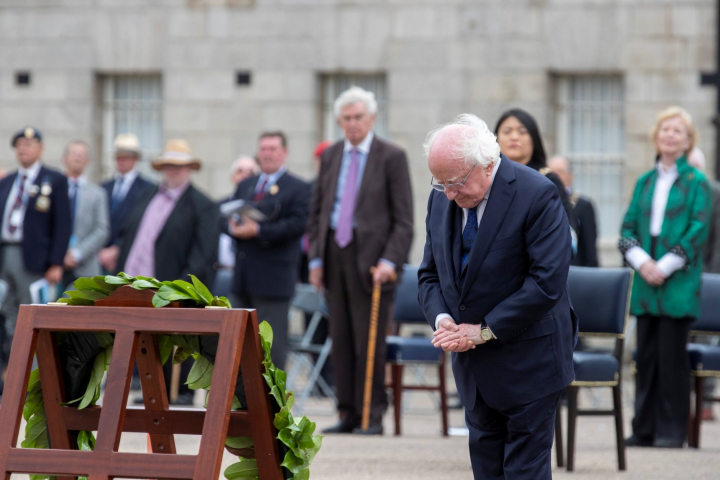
{"x": 91, "y": 230}
{"x": 711, "y": 260}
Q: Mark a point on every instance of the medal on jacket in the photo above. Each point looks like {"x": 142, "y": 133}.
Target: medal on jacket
{"x": 42, "y": 204}
{"x": 274, "y": 190}
{"x": 33, "y": 191}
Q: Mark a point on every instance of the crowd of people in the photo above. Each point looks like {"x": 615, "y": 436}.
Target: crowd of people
{"x": 351, "y": 229}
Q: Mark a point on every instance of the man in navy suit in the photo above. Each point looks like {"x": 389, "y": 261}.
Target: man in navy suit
{"x": 268, "y": 252}
{"x": 493, "y": 286}
{"x": 122, "y": 192}
{"x": 36, "y": 225}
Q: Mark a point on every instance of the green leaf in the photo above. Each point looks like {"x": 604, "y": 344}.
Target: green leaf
{"x": 86, "y": 441}
{"x": 266, "y": 334}
{"x": 100, "y": 281}
{"x": 77, "y": 301}
{"x": 143, "y": 285}
{"x": 200, "y": 375}
{"x": 104, "y": 339}
{"x": 127, "y": 277}
{"x": 221, "y": 302}
{"x": 283, "y": 419}
{"x": 236, "y": 405}
{"x": 246, "y": 468}
{"x": 275, "y": 392}
{"x": 188, "y": 289}
{"x": 287, "y": 437}
{"x": 85, "y": 283}
{"x": 112, "y": 280}
{"x": 165, "y": 345}
{"x": 202, "y": 290}
{"x": 292, "y": 462}
{"x": 96, "y": 376}
{"x": 173, "y": 293}
{"x": 181, "y": 354}
{"x": 239, "y": 442}
{"x": 85, "y": 295}
{"x": 154, "y": 281}
{"x": 159, "y": 302}
{"x": 303, "y": 474}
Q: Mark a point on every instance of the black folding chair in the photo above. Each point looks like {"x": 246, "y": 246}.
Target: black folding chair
{"x": 601, "y": 299}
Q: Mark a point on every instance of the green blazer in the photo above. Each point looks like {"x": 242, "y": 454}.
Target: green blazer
{"x": 684, "y": 232}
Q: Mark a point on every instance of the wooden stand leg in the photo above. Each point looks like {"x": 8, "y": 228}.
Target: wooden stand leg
{"x": 154, "y": 393}
{"x": 16, "y": 386}
{"x": 53, "y": 388}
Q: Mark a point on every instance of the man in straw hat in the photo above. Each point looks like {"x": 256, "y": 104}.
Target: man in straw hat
{"x": 35, "y": 224}
{"x": 122, "y": 191}
{"x": 171, "y": 231}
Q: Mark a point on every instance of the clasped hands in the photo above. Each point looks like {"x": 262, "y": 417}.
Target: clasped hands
{"x": 452, "y": 337}
{"x": 245, "y": 230}
{"x": 650, "y": 272}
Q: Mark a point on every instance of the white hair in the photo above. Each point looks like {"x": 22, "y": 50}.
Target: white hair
{"x": 245, "y": 159}
{"x": 478, "y": 144}
{"x": 353, "y": 95}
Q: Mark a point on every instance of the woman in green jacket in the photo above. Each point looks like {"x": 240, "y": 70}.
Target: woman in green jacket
{"x": 662, "y": 238}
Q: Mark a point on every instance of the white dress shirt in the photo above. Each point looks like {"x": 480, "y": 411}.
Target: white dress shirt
{"x": 30, "y": 177}
{"x": 636, "y": 256}
{"x": 480, "y": 211}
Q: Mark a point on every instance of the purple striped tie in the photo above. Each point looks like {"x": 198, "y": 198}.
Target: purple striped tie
{"x": 344, "y": 227}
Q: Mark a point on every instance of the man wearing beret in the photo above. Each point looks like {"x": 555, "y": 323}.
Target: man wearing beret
{"x": 36, "y": 225}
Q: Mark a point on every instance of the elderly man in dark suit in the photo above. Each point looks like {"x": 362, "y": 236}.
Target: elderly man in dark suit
{"x": 361, "y": 217}
{"x": 171, "y": 232}
{"x": 122, "y": 192}
{"x": 268, "y": 252}
{"x": 492, "y": 284}
{"x": 36, "y": 225}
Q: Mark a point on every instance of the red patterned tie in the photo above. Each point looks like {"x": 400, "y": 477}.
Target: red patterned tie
{"x": 260, "y": 193}
{"x": 17, "y": 205}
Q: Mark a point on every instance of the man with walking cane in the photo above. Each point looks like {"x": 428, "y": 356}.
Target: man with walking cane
{"x": 361, "y": 217}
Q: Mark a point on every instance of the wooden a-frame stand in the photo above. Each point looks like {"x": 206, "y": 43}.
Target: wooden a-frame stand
{"x": 128, "y": 313}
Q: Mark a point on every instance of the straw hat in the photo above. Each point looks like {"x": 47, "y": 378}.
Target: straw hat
{"x": 177, "y": 152}
{"x": 127, "y": 144}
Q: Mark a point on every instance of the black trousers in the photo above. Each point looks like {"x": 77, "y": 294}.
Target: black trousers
{"x": 349, "y": 305}
{"x": 662, "y": 384}
{"x": 512, "y": 443}
{"x": 275, "y": 312}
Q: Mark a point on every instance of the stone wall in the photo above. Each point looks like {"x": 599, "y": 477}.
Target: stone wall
{"x": 441, "y": 58}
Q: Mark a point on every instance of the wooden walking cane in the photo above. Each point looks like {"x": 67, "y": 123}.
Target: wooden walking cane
{"x": 372, "y": 340}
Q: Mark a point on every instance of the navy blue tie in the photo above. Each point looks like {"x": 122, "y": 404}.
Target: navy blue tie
{"x": 468, "y": 236}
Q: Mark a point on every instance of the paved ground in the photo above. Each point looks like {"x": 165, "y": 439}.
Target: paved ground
{"x": 422, "y": 454}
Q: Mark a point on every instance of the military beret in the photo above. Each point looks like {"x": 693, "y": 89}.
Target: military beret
{"x": 27, "y": 132}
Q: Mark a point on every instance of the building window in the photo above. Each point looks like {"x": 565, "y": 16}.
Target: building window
{"x": 334, "y": 85}
{"x": 132, "y": 104}
{"x": 590, "y": 114}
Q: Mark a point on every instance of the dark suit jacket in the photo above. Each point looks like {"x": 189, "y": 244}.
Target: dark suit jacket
{"x": 515, "y": 282}
{"x": 187, "y": 243}
{"x": 586, "y": 255}
{"x": 267, "y": 265}
{"x": 46, "y": 235}
{"x": 383, "y": 210}
{"x": 117, "y": 218}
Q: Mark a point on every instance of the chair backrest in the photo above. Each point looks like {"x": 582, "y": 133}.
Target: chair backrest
{"x": 307, "y": 299}
{"x": 601, "y": 298}
{"x": 709, "y": 319}
{"x": 407, "y": 307}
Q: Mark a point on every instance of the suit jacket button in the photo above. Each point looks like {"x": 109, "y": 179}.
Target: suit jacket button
{"x": 462, "y": 308}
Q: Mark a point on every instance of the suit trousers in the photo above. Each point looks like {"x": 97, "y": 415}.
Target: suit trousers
{"x": 662, "y": 383}
{"x": 18, "y": 280}
{"x": 349, "y": 305}
{"x": 512, "y": 443}
{"x": 275, "y": 312}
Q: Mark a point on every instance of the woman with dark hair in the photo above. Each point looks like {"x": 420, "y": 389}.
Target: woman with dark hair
{"x": 519, "y": 138}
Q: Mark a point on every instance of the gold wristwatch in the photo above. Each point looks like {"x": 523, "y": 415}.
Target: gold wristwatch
{"x": 486, "y": 334}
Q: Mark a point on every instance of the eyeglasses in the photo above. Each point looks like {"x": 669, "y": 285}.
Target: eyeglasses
{"x": 452, "y": 186}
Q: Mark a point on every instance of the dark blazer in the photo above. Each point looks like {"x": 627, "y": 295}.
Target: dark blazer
{"x": 515, "y": 282}
{"x": 46, "y": 235}
{"x": 187, "y": 243}
{"x": 267, "y": 265}
{"x": 117, "y": 217}
{"x": 383, "y": 211}
{"x": 586, "y": 255}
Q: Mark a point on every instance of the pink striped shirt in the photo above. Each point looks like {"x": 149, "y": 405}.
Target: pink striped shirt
{"x": 141, "y": 259}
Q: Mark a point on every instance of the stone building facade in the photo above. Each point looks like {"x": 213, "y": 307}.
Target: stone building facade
{"x": 218, "y": 72}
